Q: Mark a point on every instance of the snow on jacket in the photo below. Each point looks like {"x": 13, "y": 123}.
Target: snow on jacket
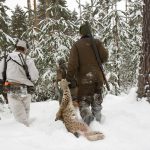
{"x": 16, "y": 73}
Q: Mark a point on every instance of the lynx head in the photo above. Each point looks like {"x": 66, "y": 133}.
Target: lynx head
{"x": 64, "y": 84}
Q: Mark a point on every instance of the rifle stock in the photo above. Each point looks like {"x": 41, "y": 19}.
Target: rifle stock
{"x": 97, "y": 55}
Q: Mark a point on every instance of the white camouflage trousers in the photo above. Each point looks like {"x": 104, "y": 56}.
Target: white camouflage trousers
{"x": 20, "y": 107}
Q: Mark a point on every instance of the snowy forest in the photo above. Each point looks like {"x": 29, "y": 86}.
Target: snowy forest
{"x": 51, "y": 28}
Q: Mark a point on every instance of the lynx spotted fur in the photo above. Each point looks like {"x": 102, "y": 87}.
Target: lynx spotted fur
{"x": 68, "y": 115}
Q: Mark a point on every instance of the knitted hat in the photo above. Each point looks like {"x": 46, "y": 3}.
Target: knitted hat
{"x": 84, "y": 30}
{"x": 22, "y": 44}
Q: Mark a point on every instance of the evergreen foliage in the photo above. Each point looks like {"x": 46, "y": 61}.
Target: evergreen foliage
{"x": 57, "y": 30}
{"x": 52, "y": 40}
{"x": 19, "y": 23}
{"x": 5, "y": 39}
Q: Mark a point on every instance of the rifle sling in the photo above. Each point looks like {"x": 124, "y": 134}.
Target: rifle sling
{"x": 22, "y": 65}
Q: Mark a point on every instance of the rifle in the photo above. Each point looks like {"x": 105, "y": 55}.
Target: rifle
{"x": 97, "y": 55}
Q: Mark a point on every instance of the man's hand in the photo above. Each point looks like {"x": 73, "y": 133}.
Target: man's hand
{"x": 73, "y": 83}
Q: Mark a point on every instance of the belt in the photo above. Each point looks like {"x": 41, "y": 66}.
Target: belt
{"x": 14, "y": 84}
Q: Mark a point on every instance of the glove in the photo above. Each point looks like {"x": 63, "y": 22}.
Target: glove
{"x": 73, "y": 83}
{"x": 31, "y": 89}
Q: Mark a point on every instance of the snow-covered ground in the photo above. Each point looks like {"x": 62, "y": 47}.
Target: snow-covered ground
{"x": 125, "y": 123}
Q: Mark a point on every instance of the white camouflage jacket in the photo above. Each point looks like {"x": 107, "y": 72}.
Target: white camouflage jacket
{"x": 16, "y": 73}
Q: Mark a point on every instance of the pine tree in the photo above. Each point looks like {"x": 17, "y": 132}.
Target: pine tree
{"x": 19, "y": 23}
{"x": 50, "y": 41}
{"x": 35, "y": 14}
{"x": 4, "y": 17}
{"x": 29, "y": 9}
{"x": 55, "y": 9}
{"x": 5, "y": 39}
{"x": 120, "y": 31}
{"x": 114, "y": 46}
{"x": 134, "y": 21}
{"x": 115, "y": 33}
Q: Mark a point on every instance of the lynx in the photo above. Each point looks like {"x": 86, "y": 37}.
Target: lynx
{"x": 69, "y": 117}
{"x": 61, "y": 74}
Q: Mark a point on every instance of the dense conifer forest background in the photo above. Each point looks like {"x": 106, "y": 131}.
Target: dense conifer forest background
{"x": 51, "y": 28}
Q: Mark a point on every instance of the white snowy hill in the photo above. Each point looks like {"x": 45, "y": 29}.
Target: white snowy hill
{"x": 125, "y": 123}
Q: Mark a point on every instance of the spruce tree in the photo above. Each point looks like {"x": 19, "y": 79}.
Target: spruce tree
{"x": 51, "y": 41}
{"x": 4, "y": 19}
{"x": 119, "y": 38}
{"x": 19, "y": 23}
{"x": 55, "y": 9}
{"x": 134, "y": 21}
{"x": 4, "y": 26}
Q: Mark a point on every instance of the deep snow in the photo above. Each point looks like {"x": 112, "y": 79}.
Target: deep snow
{"x": 125, "y": 123}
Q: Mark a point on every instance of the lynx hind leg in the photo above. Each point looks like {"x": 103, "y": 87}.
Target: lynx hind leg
{"x": 94, "y": 135}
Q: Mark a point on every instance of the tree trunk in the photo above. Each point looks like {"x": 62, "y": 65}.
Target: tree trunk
{"x": 80, "y": 11}
{"x": 91, "y": 15}
{"x": 46, "y": 12}
{"x": 117, "y": 51}
{"x": 144, "y": 66}
{"x": 29, "y": 8}
{"x": 126, "y": 10}
{"x": 35, "y": 14}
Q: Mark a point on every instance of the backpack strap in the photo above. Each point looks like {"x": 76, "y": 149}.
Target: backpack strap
{"x": 14, "y": 61}
{"x": 5, "y": 68}
{"x": 24, "y": 65}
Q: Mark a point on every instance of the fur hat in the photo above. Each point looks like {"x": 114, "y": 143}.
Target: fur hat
{"x": 22, "y": 43}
